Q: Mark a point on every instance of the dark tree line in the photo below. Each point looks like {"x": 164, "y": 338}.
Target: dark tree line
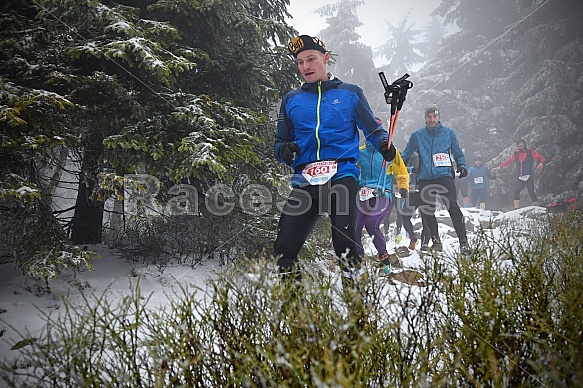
{"x": 176, "y": 90}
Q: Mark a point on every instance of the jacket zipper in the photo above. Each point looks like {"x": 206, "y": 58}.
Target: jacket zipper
{"x": 318, "y": 119}
{"x": 432, "y": 141}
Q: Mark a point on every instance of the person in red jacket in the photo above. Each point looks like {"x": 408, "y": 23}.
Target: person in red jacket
{"x": 525, "y": 162}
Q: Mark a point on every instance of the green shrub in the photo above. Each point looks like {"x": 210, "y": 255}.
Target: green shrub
{"x": 512, "y": 316}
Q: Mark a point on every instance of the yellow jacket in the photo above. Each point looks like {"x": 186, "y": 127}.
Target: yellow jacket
{"x": 370, "y": 164}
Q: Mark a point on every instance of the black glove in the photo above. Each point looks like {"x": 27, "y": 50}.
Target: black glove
{"x": 462, "y": 171}
{"x": 287, "y": 152}
{"x": 403, "y": 192}
{"x": 388, "y": 154}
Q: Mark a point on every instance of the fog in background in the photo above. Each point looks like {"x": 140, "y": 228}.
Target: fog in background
{"x": 512, "y": 70}
{"x": 374, "y": 14}
{"x": 504, "y": 70}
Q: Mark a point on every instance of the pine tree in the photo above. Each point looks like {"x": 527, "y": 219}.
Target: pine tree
{"x": 486, "y": 18}
{"x": 401, "y": 50}
{"x": 176, "y": 90}
{"x": 432, "y": 35}
{"x": 38, "y": 122}
{"x": 353, "y": 60}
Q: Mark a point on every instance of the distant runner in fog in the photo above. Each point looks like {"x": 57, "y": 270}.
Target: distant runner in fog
{"x": 524, "y": 159}
{"x": 479, "y": 176}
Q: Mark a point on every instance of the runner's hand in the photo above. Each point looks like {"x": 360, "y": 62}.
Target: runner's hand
{"x": 463, "y": 172}
{"x": 388, "y": 153}
{"x": 288, "y": 152}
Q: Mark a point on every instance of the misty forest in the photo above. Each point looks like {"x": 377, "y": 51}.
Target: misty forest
{"x": 185, "y": 93}
{"x": 149, "y": 126}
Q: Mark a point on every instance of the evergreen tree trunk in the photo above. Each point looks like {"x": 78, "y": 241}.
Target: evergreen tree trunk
{"x": 87, "y": 222}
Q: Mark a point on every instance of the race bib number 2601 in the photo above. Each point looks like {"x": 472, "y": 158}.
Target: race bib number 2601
{"x": 441, "y": 159}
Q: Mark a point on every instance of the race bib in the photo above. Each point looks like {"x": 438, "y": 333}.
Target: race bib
{"x": 366, "y": 193}
{"x": 524, "y": 177}
{"x": 441, "y": 159}
{"x": 478, "y": 180}
{"x": 318, "y": 173}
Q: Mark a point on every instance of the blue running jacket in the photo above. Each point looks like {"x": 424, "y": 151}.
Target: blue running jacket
{"x": 323, "y": 118}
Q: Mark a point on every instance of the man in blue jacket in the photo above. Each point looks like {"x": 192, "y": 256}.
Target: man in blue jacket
{"x": 438, "y": 147}
{"x": 317, "y": 136}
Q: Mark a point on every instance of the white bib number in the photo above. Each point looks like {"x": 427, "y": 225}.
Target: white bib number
{"x": 441, "y": 159}
{"x": 366, "y": 193}
{"x": 524, "y": 177}
{"x": 478, "y": 180}
{"x": 318, "y": 173}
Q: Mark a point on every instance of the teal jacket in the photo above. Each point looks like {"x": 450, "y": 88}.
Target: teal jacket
{"x": 429, "y": 142}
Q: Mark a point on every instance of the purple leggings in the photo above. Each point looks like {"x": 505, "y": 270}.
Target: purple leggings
{"x": 371, "y": 214}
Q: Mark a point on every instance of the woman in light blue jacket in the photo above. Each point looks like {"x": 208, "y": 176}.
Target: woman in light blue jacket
{"x": 375, "y": 196}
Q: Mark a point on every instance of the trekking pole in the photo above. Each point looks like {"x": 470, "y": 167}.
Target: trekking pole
{"x": 383, "y": 173}
{"x": 391, "y": 97}
{"x": 404, "y": 86}
{"x": 395, "y": 95}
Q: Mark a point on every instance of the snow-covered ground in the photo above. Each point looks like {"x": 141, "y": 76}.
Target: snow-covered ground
{"x": 22, "y": 298}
